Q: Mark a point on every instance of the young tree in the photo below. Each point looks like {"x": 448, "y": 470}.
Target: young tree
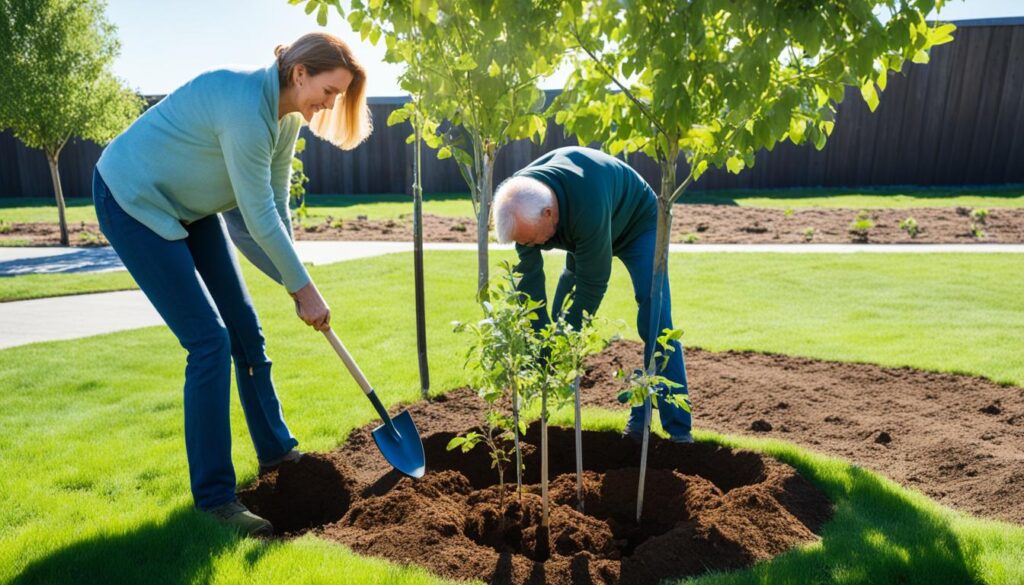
{"x": 504, "y": 359}
{"x": 475, "y": 67}
{"x": 714, "y": 81}
{"x": 565, "y": 350}
{"x": 56, "y": 81}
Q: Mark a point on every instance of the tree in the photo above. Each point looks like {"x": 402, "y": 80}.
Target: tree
{"x": 714, "y": 81}
{"x": 56, "y": 81}
{"x": 475, "y": 68}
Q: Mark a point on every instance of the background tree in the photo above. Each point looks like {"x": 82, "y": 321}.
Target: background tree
{"x": 56, "y": 81}
{"x": 475, "y": 68}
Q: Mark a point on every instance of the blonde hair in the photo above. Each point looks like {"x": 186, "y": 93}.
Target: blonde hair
{"x": 348, "y": 122}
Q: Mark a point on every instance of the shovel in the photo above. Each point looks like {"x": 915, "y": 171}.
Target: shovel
{"x": 398, "y": 440}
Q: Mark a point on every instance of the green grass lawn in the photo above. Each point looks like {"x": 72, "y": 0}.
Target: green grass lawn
{"x": 37, "y": 286}
{"x": 41, "y": 209}
{"x": 94, "y": 484}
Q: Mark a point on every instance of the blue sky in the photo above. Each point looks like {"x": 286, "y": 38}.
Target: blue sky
{"x": 164, "y": 44}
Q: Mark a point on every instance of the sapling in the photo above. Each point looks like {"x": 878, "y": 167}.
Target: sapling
{"x": 977, "y": 232}
{"x": 504, "y": 356}
{"x": 565, "y": 350}
{"x": 808, "y": 234}
{"x": 862, "y": 226}
{"x": 979, "y": 215}
{"x": 909, "y": 225}
{"x": 643, "y": 389}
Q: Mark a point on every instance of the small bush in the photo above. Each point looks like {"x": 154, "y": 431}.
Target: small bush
{"x": 979, "y": 215}
{"x": 910, "y": 226}
{"x": 862, "y": 226}
{"x": 808, "y": 234}
{"x": 690, "y": 238}
{"x": 977, "y": 233}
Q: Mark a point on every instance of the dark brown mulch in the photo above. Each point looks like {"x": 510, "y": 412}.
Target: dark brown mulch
{"x": 723, "y": 224}
{"x": 957, "y": 438}
{"x": 48, "y": 234}
{"x": 710, "y": 224}
{"x": 708, "y": 507}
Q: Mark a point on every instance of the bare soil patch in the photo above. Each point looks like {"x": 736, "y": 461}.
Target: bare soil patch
{"x": 708, "y": 507}
{"x": 696, "y": 224}
{"x": 957, "y": 438}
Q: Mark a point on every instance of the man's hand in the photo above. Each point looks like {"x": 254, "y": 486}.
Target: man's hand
{"x": 312, "y": 308}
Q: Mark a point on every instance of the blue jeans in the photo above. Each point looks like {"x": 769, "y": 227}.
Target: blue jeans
{"x": 638, "y": 256}
{"x": 196, "y": 286}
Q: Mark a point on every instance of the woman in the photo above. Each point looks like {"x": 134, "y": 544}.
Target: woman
{"x": 224, "y": 141}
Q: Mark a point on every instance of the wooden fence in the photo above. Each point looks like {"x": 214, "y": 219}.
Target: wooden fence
{"x": 956, "y": 121}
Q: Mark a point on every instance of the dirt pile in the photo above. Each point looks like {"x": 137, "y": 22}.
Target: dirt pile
{"x": 707, "y": 507}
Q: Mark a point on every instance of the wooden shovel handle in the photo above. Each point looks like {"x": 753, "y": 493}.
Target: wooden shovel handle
{"x": 350, "y": 363}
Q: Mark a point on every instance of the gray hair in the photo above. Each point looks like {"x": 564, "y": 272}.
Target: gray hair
{"x": 519, "y": 198}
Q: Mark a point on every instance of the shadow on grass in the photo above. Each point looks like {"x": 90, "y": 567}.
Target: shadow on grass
{"x": 877, "y": 535}
{"x": 179, "y": 550}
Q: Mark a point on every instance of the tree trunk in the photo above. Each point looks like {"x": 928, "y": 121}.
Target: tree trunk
{"x": 417, "y": 238}
{"x": 58, "y": 193}
{"x": 543, "y": 550}
{"x": 485, "y": 189}
{"x": 664, "y": 233}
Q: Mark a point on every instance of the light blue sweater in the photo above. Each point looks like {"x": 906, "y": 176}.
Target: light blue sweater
{"x": 212, "y": 145}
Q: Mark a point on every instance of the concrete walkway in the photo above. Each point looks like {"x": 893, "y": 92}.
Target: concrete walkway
{"x": 55, "y": 260}
{"x": 72, "y": 317}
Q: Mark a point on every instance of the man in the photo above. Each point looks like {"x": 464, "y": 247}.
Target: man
{"x": 593, "y": 206}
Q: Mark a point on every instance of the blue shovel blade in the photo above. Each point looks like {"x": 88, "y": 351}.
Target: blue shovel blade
{"x": 404, "y": 449}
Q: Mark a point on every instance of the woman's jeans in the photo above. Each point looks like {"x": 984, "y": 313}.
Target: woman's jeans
{"x": 196, "y": 286}
{"x": 638, "y": 256}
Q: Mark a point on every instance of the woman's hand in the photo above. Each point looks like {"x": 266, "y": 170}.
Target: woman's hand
{"x": 312, "y": 308}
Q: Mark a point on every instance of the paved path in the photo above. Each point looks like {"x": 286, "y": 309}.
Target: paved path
{"x": 15, "y": 261}
{"x": 77, "y": 316}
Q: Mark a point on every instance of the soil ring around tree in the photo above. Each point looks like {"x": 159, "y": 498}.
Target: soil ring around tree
{"x": 707, "y": 507}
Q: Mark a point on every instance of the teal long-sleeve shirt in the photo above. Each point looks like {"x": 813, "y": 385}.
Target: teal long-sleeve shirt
{"x": 603, "y": 205}
{"x": 210, "y": 146}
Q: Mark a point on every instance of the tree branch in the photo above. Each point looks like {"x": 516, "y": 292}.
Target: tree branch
{"x": 615, "y": 80}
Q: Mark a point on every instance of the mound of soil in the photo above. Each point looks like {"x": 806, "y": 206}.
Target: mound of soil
{"x": 706, "y": 507}
{"x": 957, "y": 438}
{"x": 709, "y": 224}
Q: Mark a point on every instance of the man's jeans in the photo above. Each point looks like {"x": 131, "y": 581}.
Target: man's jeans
{"x": 196, "y": 286}
{"x": 638, "y": 256}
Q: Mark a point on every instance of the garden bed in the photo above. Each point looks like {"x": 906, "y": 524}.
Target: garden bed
{"x": 957, "y": 438}
{"x": 725, "y": 224}
{"x": 698, "y": 224}
{"x": 708, "y": 507}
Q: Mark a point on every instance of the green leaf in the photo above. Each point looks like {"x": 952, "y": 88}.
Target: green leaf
{"x": 465, "y": 62}
{"x": 867, "y": 91}
{"x": 321, "y": 15}
{"x": 734, "y": 164}
{"x": 493, "y": 70}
